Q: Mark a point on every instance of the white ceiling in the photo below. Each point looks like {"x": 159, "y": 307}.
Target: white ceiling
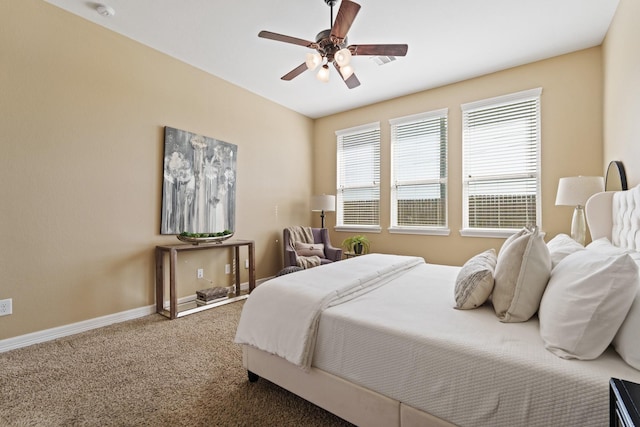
{"x": 449, "y": 41}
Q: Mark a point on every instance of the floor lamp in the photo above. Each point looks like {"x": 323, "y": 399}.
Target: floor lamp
{"x": 323, "y": 204}
{"x": 575, "y": 191}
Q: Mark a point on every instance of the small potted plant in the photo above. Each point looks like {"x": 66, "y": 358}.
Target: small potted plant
{"x": 357, "y": 244}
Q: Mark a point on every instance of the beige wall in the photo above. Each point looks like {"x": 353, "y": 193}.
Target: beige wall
{"x": 82, "y": 112}
{"x": 622, "y": 89}
{"x": 571, "y": 145}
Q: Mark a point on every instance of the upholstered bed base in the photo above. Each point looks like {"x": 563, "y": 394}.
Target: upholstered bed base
{"x": 349, "y": 401}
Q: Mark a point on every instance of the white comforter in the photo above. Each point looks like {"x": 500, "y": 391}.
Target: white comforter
{"x": 281, "y": 316}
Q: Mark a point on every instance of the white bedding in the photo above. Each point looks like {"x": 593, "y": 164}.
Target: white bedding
{"x": 405, "y": 341}
{"x": 399, "y": 335}
{"x": 281, "y": 317}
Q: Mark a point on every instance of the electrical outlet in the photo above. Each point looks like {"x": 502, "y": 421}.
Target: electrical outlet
{"x": 6, "y": 307}
{"x": 200, "y": 273}
{"x": 227, "y": 269}
{"x": 246, "y": 263}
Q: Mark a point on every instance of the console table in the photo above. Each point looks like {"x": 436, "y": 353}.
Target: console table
{"x": 173, "y": 251}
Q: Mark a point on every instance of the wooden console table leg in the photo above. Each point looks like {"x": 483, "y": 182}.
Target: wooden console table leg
{"x": 159, "y": 280}
{"x": 173, "y": 298}
{"x": 238, "y": 261}
{"x": 252, "y": 266}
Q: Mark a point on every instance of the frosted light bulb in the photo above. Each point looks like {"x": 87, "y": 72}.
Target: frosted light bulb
{"x": 323, "y": 74}
{"x": 343, "y": 57}
{"x": 346, "y": 71}
{"x": 313, "y": 60}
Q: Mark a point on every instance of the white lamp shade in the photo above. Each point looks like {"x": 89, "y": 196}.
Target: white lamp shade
{"x": 576, "y": 190}
{"x": 343, "y": 57}
{"x": 323, "y": 74}
{"x": 323, "y": 203}
{"x": 346, "y": 71}
{"x": 313, "y": 60}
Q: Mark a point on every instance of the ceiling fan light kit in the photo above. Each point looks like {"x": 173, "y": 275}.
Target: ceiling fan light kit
{"x": 313, "y": 60}
{"x": 323, "y": 74}
{"x": 331, "y": 47}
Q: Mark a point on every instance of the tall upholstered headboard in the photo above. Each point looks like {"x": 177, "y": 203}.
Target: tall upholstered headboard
{"x": 616, "y": 216}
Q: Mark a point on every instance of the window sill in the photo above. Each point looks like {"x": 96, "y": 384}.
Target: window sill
{"x": 358, "y": 228}
{"x": 420, "y": 230}
{"x": 495, "y": 233}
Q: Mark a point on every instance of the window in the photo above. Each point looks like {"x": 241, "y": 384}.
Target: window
{"x": 501, "y": 164}
{"x": 358, "y": 192}
{"x": 419, "y": 173}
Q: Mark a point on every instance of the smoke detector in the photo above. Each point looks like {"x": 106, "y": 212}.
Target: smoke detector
{"x": 105, "y": 10}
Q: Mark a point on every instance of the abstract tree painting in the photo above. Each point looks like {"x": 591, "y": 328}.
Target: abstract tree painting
{"x": 199, "y": 184}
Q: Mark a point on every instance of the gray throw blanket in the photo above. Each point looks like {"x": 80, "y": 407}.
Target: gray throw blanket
{"x": 302, "y": 235}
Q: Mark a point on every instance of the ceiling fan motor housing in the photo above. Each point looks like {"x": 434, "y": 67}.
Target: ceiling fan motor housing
{"x": 327, "y": 45}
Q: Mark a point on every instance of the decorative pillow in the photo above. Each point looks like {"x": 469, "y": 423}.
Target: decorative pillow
{"x": 310, "y": 249}
{"x": 521, "y": 275}
{"x": 475, "y": 280}
{"x": 561, "y": 246}
{"x": 586, "y": 301}
{"x": 626, "y": 341}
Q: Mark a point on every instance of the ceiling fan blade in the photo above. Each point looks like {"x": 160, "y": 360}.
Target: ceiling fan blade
{"x": 346, "y": 14}
{"x": 285, "y": 39}
{"x": 379, "y": 49}
{"x": 295, "y": 72}
{"x": 352, "y": 81}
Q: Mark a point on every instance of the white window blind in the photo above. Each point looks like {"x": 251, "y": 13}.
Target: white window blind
{"x": 501, "y": 162}
{"x": 358, "y": 192}
{"x": 419, "y": 171}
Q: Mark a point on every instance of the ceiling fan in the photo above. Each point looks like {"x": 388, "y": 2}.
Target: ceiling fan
{"x": 331, "y": 47}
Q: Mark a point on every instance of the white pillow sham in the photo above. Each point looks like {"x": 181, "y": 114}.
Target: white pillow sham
{"x": 475, "y": 280}
{"x": 605, "y": 247}
{"x": 587, "y": 298}
{"x": 521, "y": 275}
{"x": 561, "y": 246}
{"x": 627, "y": 342}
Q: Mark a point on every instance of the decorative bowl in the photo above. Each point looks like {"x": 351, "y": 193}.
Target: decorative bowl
{"x": 198, "y": 240}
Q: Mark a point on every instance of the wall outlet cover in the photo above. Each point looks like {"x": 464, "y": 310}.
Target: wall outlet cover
{"x": 6, "y": 307}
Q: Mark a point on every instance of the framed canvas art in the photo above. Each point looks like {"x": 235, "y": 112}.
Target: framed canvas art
{"x": 199, "y": 184}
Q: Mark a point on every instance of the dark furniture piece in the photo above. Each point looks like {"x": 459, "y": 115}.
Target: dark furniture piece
{"x": 320, "y": 235}
{"x": 624, "y": 403}
{"x": 173, "y": 250}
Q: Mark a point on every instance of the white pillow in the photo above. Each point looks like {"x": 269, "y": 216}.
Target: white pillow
{"x": 521, "y": 275}
{"x": 475, "y": 280}
{"x": 605, "y": 247}
{"x": 310, "y": 249}
{"x": 626, "y": 341}
{"x": 561, "y": 246}
{"x": 586, "y": 300}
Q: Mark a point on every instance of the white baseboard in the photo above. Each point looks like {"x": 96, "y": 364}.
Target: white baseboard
{"x": 87, "y": 325}
{"x": 74, "y": 328}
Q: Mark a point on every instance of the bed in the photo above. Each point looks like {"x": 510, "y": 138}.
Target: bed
{"x": 376, "y": 339}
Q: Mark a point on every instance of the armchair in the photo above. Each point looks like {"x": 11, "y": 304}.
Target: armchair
{"x": 320, "y": 235}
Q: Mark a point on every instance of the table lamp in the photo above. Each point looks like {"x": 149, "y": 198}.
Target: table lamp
{"x": 575, "y": 191}
{"x": 323, "y": 204}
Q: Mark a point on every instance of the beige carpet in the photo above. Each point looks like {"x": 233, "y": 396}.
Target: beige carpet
{"x": 150, "y": 371}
